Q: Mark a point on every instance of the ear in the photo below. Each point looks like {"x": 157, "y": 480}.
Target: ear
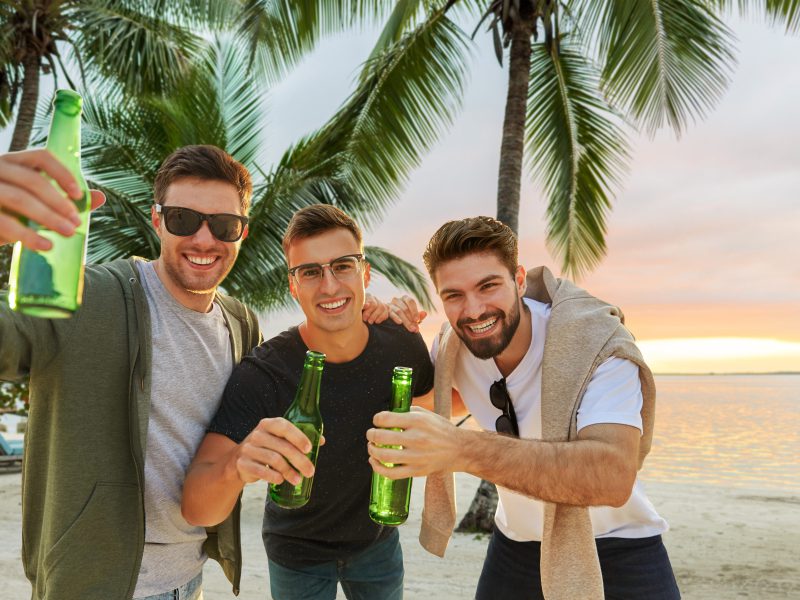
{"x": 292, "y": 288}
{"x": 366, "y": 274}
{"x": 244, "y": 235}
{"x": 155, "y": 220}
{"x": 519, "y": 279}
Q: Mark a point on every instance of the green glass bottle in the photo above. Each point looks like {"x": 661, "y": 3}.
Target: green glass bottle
{"x": 388, "y": 502}
{"x": 50, "y": 283}
{"x": 304, "y": 414}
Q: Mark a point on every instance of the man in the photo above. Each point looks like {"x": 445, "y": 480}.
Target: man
{"x": 566, "y": 404}
{"x": 331, "y": 539}
{"x": 121, "y": 393}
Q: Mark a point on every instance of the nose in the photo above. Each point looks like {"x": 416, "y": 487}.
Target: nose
{"x": 204, "y": 236}
{"x": 474, "y": 307}
{"x": 329, "y": 283}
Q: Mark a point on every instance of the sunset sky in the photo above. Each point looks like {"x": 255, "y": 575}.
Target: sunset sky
{"x": 702, "y": 241}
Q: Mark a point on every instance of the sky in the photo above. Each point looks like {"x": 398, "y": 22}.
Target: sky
{"x": 702, "y": 253}
{"x": 702, "y": 241}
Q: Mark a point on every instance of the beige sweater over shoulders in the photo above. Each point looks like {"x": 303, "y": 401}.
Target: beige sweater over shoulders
{"x": 582, "y": 332}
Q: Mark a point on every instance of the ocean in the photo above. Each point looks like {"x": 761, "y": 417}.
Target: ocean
{"x": 737, "y": 431}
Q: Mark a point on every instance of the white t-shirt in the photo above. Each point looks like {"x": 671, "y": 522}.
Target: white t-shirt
{"x": 613, "y": 396}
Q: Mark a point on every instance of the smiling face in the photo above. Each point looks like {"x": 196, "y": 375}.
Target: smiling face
{"x": 192, "y": 267}
{"x": 482, "y": 301}
{"x": 330, "y": 305}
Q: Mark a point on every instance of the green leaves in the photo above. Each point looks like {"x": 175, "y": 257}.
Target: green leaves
{"x": 664, "y": 62}
{"x": 576, "y": 150}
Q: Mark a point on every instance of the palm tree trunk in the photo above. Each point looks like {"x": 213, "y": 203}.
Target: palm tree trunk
{"x": 512, "y": 148}
{"x": 27, "y": 103}
{"x": 480, "y": 516}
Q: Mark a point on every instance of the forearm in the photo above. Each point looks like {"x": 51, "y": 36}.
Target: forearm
{"x": 210, "y": 492}
{"x": 582, "y": 472}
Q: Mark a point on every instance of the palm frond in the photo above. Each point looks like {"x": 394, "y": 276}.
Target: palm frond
{"x": 783, "y": 12}
{"x": 142, "y": 51}
{"x": 403, "y": 18}
{"x": 400, "y": 273}
{"x": 664, "y": 61}
{"x": 576, "y": 149}
{"x": 405, "y": 98}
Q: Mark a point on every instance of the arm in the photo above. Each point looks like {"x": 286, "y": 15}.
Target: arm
{"x": 599, "y": 468}
{"x": 273, "y": 452}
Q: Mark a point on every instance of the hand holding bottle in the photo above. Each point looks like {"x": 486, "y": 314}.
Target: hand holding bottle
{"x": 26, "y": 192}
{"x": 275, "y": 451}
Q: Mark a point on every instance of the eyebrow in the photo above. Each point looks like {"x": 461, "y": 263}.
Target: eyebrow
{"x": 486, "y": 279}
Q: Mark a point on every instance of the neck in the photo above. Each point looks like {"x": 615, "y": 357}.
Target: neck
{"x": 516, "y": 350}
{"x": 199, "y": 302}
{"x": 338, "y": 346}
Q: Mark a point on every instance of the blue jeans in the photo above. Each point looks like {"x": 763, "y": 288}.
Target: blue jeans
{"x": 188, "y": 591}
{"x": 633, "y": 569}
{"x": 374, "y": 574}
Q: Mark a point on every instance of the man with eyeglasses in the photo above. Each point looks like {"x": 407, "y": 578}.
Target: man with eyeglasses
{"x": 566, "y": 404}
{"x": 331, "y": 539}
{"x": 122, "y": 392}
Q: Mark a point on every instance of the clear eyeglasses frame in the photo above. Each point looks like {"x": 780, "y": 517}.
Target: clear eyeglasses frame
{"x": 344, "y": 268}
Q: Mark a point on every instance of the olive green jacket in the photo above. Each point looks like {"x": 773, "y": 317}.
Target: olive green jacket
{"x": 83, "y": 472}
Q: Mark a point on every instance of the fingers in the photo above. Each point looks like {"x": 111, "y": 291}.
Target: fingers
{"x": 275, "y": 451}
{"x": 404, "y": 311}
{"x": 11, "y": 231}
{"x": 374, "y": 310}
{"x": 395, "y": 472}
{"x": 26, "y": 192}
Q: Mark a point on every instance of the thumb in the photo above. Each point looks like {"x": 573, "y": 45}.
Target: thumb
{"x": 98, "y": 199}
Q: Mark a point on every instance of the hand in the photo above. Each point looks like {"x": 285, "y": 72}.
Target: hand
{"x": 25, "y": 192}
{"x": 430, "y": 443}
{"x": 404, "y": 311}
{"x": 374, "y": 311}
{"x": 275, "y": 451}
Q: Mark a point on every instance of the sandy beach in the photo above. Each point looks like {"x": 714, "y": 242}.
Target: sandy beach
{"x": 724, "y": 543}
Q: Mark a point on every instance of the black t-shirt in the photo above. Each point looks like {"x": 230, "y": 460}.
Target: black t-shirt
{"x": 335, "y": 522}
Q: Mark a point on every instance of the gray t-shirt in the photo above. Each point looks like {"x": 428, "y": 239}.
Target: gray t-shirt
{"x": 191, "y": 364}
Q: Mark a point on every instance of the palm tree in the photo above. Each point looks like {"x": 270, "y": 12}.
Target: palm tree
{"x": 581, "y": 75}
{"x": 125, "y": 141}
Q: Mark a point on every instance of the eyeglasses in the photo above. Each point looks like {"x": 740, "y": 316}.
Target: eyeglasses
{"x": 185, "y": 221}
{"x": 343, "y": 268}
{"x": 506, "y": 422}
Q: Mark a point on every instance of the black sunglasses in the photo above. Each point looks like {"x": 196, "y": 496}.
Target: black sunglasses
{"x": 506, "y": 422}
{"x": 185, "y": 221}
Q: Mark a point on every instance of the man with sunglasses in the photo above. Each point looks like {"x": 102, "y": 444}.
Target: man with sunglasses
{"x": 121, "y": 393}
{"x": 566, "y": 403}
{"x": 331, "y": 539}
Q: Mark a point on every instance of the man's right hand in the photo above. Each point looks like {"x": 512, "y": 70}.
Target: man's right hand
{"x": 275, "y": 451}
{"x": 26, "y": 192}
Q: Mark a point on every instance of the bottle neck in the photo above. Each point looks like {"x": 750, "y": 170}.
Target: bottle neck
{"x": 64, "y": 138}
{"x": 401, "y": 394}
{"x": 307, "y": 398}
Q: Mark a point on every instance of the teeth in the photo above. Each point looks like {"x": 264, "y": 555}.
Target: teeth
{"x": 332, "y": 305}
{"x": 201, "y": 260}
{"x": 481, "y": 327}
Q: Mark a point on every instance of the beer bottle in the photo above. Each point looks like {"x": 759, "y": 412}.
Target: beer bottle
{"x": 50, "y": 283}
{"x": 388, "y": 502}
{"x": 304, "y": 414}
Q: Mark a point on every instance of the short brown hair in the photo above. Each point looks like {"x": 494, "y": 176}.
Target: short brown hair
{"x": 456, "y": 239}
{"x": 203, "y": 162}
{"x": 315, "y": 219}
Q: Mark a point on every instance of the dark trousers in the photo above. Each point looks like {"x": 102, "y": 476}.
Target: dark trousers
{"x": 633, "y": 569}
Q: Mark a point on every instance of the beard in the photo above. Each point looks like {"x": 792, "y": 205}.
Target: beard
{"x": 199, "y": 283}
{"x": 490, "y": 347}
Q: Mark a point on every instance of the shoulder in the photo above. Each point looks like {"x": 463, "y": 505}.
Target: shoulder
{"x": 283, "y": 352}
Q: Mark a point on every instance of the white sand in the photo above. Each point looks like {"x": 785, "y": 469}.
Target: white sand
{"x": 723, "y": 544}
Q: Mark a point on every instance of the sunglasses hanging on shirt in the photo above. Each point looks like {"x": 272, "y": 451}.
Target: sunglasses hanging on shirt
{"x": 507, "y": 421}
